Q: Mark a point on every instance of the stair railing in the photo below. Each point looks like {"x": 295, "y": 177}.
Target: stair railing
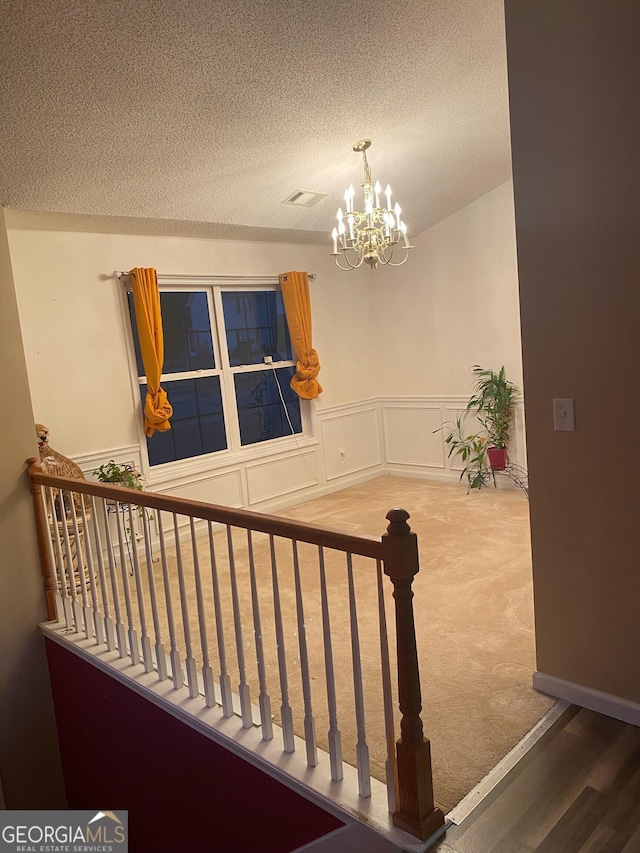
{"x": 101, "y": 581}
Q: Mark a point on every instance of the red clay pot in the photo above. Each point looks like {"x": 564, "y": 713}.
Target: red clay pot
{"x": 497, "y": 458}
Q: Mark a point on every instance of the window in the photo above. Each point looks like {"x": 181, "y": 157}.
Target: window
{"x": 224, "y": 396}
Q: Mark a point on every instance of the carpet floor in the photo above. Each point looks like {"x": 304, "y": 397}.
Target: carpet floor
{"x": 473, "y": 609}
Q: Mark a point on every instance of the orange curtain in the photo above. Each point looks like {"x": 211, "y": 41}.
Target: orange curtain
{"x": 297, "y": 306}
{"x": 146, "y": 299}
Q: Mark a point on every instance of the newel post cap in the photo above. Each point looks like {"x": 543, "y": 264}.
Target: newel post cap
{"x": 400, "y": 546}
{"x": 397, "y": 519}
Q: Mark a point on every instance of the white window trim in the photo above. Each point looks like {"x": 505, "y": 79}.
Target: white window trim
{"x": 235, "y": 453}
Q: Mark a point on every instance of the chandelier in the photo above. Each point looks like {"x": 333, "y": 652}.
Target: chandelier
{"x": 370, "y": 236}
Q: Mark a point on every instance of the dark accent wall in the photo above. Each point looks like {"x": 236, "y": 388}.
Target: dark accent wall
{"x": 574, "y": 67}
{"x": 184, "y": 793}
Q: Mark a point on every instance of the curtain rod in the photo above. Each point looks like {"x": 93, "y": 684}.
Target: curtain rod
{"x": 123, "y": 274}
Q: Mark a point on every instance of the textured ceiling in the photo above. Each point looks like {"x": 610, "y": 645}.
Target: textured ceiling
{"x": 214, "y": 111}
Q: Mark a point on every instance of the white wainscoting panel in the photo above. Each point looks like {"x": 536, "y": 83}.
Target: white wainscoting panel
{"x": 276, "y": 477}
{"x": 351, "y": 439}
{"x": 412, "y": 448}
{"x": 129, "y": 455}
{"x": 518, "y": 438}
{"x": 358, "y": 441}
{"x": 517, "y": 449}
{"x": 224, "y": 488}
{"x": 409, "y": 434}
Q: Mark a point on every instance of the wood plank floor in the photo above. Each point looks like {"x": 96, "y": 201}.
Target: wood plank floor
{"x": 576, "y": 791}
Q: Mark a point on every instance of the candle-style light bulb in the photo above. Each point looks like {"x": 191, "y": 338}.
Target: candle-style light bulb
{"x": 403, "y": 228}
{"x": 339, "y": 214}
{"x": 341, "y": 228}
{"x": 377, "y": 189}
{"x": 388, "y": 195}
{"x": 397, "y": 210}
{"x": 334, "y": 234}
{"x": 352, "y": 193}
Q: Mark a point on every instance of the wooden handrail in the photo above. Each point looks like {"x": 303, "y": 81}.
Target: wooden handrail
{"x": 416, "y": 811}
{"x": 365, "y": 546}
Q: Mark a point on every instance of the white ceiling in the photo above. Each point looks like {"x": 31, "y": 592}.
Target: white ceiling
{"x": 211, "y": 112}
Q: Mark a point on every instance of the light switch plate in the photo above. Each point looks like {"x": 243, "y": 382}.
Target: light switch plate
{"x": 564, "y": 414}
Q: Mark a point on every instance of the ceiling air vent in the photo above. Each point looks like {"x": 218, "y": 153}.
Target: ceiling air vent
{"x": 304, "y": 198}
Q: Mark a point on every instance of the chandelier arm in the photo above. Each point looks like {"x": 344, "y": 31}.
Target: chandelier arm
{"x": 350, "y": 266}
{"x": 403, "y": 261}
{"x": 344, "y": 269}
{"x": 384, "y": 257}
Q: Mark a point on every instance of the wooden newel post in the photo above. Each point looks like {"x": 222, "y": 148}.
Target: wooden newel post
{"x": 416, "y": 811}
{"x": 42, "y": 534}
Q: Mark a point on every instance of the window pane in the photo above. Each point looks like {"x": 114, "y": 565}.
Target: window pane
{"x": 260, "y": 409}
{"x": 188, "y": 344}
{"x": 197, "y": 425}
{"x": 256, "y": 326}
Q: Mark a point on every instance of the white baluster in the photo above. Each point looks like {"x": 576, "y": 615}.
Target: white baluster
{"x": 207, "y": 672}
{"x": 225, "y": 681}
{"x": 97, "y": 618}
{"x": 134, "y": 647}
{"x": 264, "y": 699}
{"x": 52, "y": 557}
{"x": 309, "y": 722}
{"x": 87, "y": 616}
{"x": 335, "y": 741}
{"x": 190, "y": 663}
{"x": 243, "y": 687}
{"x": 174, "y": 654}
{"x": 109, "y": 628}
{"x": 75, "y": 603}
{"x": 161, "y": 659}
{"x": 145, "y": 641}
{"x": 362, "y": 750}
{"x": 121, "y": 635}
{"x": 59, "y": 561}
{"x": 286, "y": 716}
{"x": 391, "y": 773}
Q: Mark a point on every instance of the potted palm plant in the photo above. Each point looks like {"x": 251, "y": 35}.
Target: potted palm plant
{"x": 492, "y": 400}
{"x": 472, "y": 450}
{"x": 484, "y": 451}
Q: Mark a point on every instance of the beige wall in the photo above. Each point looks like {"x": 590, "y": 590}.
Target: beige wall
{"x": 29, "y": 760}
{"x": 407, "y": 336}
{"x": 575, "y": 112}
{"x": 74, "y": 332}
{"x": 453, "y": 304}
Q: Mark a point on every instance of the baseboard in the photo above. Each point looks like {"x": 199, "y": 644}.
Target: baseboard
{"x": 604, "y": 703}
{"x": 395, "y": 469}
{"x": 274, "y": 505}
